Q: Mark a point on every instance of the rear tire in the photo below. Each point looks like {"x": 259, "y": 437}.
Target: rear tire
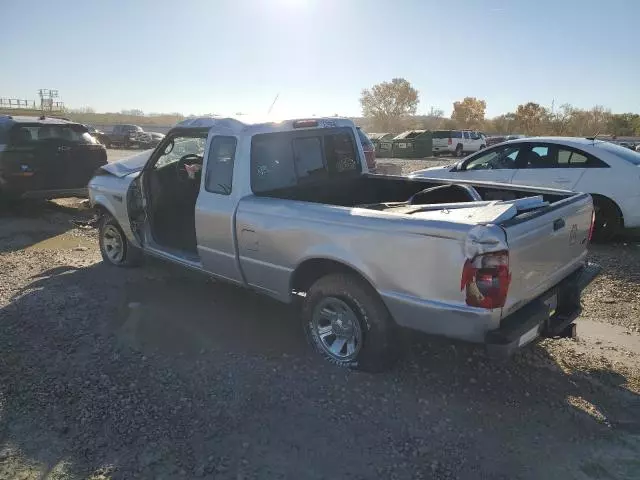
{"x": 608, "y": 220}
{"x": 343, "y": 309}
{"x": 459, "y": 151}
{"x": 115, "y": 248}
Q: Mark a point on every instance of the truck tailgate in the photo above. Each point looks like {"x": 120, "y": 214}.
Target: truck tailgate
{"x": 545, "y": 246}
{"x": 440, "y": 142}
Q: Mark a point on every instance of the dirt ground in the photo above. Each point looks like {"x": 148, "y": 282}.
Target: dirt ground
{"x": 153, "y": 372}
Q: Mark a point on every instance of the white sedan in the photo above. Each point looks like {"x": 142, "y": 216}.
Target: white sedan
{"x": 609, "y": 172}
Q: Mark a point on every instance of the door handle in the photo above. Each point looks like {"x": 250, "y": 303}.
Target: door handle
{"x": 562, "y": 180}
{"x": 62, "y": 148}
{"x": 558, "y": 224}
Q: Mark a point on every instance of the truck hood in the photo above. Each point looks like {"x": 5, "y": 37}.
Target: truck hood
{"x": 128, "y": 165}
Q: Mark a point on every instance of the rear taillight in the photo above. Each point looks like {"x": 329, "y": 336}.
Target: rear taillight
{"x": 370, "y": 156}
{"x": 591, "y": 227}
{"x": 450, "y": 141}
{"x": 486, "y": 280}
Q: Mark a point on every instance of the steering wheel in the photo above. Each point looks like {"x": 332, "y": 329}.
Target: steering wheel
{"x": 181, "y": 166}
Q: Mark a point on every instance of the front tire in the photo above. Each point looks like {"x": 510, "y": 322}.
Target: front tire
{"x": 115, "y": 248}
{"x": 608, "y": 221}
{"x": 348, "y": 324}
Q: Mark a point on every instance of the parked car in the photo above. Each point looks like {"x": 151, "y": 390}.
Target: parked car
{"x": 99, "y": 135}
{"x": 123, "y": 136}
{"x": 609, "y": 172}
{"x": 289, "y": 210}
{"x": 629, "y": 145}
{"x": 494, "y": 140}
{"x": 132, "y": 136}
{"x": 457, "y": 142}
{"x": 46, "y": 157}
{"x": 369, "y": 150}
{"x": 147, "y": 139}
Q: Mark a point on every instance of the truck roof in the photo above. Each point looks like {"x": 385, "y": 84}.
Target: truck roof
{"x": 236, "y": 126}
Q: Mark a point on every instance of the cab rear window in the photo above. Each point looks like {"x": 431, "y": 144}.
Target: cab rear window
{"x": 281, "y": 160}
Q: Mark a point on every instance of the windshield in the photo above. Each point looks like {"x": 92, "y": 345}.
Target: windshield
{"x": 179, "y": 147}
{"x": 620, "y": 152}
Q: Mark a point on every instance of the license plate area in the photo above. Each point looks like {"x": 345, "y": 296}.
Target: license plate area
{"x": 551, "y": 302}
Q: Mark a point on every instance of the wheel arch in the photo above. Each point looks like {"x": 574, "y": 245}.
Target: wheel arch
{"x": 102, "y": 206}
{"x": 312, "y": 269}
{"x": 603, "y": 198}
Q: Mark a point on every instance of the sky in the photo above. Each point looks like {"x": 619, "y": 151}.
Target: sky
{"x": 235, "y": 56}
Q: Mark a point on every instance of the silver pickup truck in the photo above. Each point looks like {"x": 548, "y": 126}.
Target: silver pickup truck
{"x": 288, "y": 209}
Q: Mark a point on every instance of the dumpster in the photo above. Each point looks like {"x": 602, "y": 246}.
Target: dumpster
{"x": 382, "y": 142}
{"x": 412, "y": 144}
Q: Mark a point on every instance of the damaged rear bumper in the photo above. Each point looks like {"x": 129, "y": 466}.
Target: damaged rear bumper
{"x": 546, "y": 316}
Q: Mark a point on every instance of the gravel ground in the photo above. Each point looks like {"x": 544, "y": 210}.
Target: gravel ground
{"x": 157, "y": 373}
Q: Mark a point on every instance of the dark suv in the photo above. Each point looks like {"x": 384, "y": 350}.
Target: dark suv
{"x": 46, "y": 157}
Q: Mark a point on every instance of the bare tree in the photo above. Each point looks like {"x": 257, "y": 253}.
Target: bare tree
{"x": 387, "y": 103}
{"x": 560, "y": 121}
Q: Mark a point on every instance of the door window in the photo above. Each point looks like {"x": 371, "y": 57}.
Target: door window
{"x": 466, "y": 136}
{"x": 220, "y": 162}
{"x": 569, "y": 158}
{"x": 557, "y": 156}
{"x": 540, "y": 156}
{"x": 495, "y": 159}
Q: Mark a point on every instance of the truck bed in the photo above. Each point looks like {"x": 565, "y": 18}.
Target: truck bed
{"x": 375, "y": 191}
{"x": 546, "y": 243}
